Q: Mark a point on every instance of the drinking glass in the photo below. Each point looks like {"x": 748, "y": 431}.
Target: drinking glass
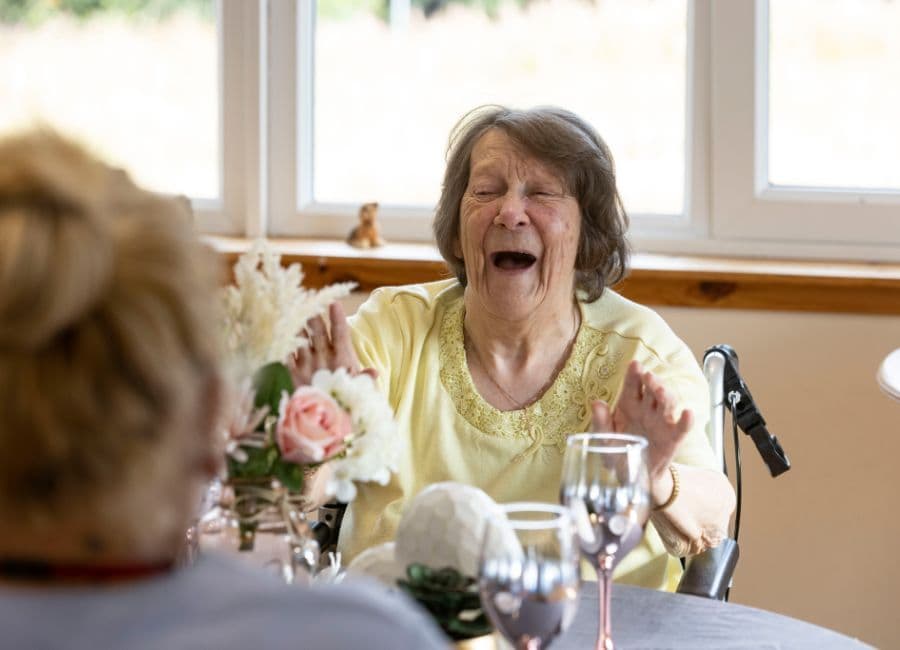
{"x": 606, "y": 486}
{"x": 529, "y": 573}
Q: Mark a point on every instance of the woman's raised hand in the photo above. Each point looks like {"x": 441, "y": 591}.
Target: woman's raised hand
{"x": 329, "y": 350}
{"x": 648, "y": 409}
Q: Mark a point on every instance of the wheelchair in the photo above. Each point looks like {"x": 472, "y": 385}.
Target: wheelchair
{"x": 708, "y": 574}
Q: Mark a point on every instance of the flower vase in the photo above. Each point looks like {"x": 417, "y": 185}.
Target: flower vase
{"x": 262, "y": 523}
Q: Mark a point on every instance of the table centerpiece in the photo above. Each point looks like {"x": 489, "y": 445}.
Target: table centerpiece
{"x": 276, "y": 432}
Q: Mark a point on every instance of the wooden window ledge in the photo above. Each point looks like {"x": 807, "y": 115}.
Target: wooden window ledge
{"x": 686, "y": 281}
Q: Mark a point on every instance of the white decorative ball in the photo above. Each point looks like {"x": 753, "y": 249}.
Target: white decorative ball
{"x": 379, "y": 562}
{"x": 443, "y": 527}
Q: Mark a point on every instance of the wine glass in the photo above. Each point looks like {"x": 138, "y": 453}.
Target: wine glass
{"x": 606, "y": 485}
{"x": 529, "y": 573}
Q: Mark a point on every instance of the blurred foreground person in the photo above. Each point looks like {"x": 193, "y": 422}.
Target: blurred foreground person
{"x": 109, "y": 387}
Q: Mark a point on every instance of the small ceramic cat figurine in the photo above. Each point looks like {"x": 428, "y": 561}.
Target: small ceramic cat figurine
{"x": 366, "y": 234}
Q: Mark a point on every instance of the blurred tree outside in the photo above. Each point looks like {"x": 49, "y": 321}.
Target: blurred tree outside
{"x": 342, "y": 9}
{"x": 35, "y": 12}
{"x": 134, "y": 80}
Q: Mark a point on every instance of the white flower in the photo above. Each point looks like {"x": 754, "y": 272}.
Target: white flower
{"x": 241, "y": 419}
{"x": 267, "y": 308}
{"x": 372, "y": 452}
{"x": 265, "y": 313}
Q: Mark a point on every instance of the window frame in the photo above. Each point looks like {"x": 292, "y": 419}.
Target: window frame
{"x": 239, "y": 210}
{"x": 853, "y": 224}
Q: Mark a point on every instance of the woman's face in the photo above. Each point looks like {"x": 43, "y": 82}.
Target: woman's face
{"x": 519, "y": 230}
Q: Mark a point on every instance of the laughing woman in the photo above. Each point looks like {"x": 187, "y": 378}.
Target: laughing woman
{"x": 489, "y": 372}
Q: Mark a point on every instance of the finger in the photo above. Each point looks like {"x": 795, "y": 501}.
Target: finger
{"x": 649, "y": 384}
{"x": 318, "y": 333}
{"x": 648, "y": 403}
{"x": 345, "y": 355}
{"x": 320, "y": 346}
{"x": 632, "y": 391}
{"x": 663, "y": 401}
{"x": 369, "y": 371}
{"x": 685, "y": 422}
{"x": 601, "y": 420}
{"x": 621, "y": 423}
{"x": 300, "y": 366}
{"x": 664, "y": 445}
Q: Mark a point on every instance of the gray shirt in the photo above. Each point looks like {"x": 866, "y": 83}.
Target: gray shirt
{"x": 216, "y": 604}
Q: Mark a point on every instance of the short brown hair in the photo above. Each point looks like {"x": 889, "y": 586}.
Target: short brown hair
{"x": 568, "y": 144}
{"x": 107, "y": 333}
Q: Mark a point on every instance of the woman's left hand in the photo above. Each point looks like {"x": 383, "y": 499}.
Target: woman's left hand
{"x": 646, "y": 408}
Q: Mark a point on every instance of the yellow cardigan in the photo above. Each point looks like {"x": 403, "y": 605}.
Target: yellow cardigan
{"x": 413, "y": 337}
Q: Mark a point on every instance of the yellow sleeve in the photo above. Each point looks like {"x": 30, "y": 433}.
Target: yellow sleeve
{"x": 679, "y": 371}
{"x": 376, "y": 336}
{"x": 388, "y": 332}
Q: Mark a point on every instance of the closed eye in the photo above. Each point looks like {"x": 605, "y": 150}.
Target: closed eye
{"x": 545, "y": 191}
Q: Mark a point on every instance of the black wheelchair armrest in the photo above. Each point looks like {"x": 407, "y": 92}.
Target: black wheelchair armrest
{"x": 709, "y": 573}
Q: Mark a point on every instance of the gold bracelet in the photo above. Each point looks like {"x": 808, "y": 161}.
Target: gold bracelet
{"x": 676, "y": 487}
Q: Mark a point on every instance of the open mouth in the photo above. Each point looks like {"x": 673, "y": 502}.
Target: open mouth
{"x": 512, "y": 260}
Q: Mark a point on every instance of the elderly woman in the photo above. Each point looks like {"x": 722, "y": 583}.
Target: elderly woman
{"x": 489, "y": 372}
{"x": 109, "y": 388}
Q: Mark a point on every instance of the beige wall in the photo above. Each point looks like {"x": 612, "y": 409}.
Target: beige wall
{"x": 816, "y": 543}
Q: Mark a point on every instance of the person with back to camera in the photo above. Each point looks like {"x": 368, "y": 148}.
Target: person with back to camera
{"x": 109, "y": 385}
{"x": 488, "y": 372}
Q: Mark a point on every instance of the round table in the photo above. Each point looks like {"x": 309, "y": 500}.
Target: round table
{"x": 644, "y": 619}
{"x": 889, "y": 374}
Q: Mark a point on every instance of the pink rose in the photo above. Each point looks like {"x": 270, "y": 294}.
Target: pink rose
{"x": 311, "y": 426}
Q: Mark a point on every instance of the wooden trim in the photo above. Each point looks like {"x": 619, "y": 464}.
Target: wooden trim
{"x": 684, "y": 281}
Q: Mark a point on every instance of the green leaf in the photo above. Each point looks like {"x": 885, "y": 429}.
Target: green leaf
{"x": 270, "y": 382}
{"x": 258, "y": 465}
{"x": 418, "y": 572}
{"x": 290, "y": 474}
{"x": 445, "y": 593}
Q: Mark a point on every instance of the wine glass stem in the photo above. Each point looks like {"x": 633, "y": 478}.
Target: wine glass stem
{"x": 604, "y": 577}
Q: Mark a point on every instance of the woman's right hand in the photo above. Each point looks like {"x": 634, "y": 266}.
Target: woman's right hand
{"x": 326, "y": 350}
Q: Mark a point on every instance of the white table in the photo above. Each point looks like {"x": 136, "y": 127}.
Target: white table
{"x": 889, "y": 375}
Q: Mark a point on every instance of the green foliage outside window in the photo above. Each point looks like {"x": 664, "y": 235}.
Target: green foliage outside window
{"x": 34, "y": 12}
{"x": 341, "y": 9}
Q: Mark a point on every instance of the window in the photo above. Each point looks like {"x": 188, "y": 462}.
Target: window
{"x": 707, "y": 106}
{"x": 407, "y": 79}
{"x": 132, "y": 85}
{"x": 136, "y": 81}
{"x": 841, "y": 130}
{"x": 372, "y": 119}
{"x": 803, "y": 154}
{"x": 748, "y": 127}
